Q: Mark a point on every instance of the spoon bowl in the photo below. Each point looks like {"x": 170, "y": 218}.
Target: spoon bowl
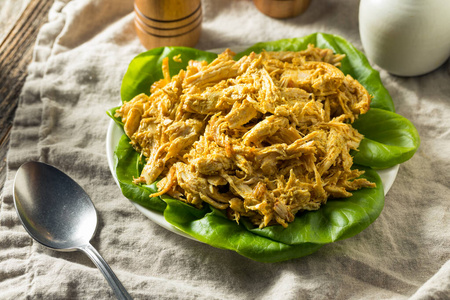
{"x": 41, "y": 194}
{"x": 59, "y": 214}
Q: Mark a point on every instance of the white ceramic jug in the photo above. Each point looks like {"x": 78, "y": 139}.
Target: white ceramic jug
{"x": 405, "y": 37}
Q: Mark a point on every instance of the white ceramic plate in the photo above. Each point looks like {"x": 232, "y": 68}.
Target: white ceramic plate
{"x": 115, "y": 133}
{"x": 112, "y": 139}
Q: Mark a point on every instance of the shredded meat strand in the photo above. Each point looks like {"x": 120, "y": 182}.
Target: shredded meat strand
{"x": 263, "y": 137}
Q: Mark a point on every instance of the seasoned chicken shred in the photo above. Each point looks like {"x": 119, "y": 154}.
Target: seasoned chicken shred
{"x": 263, "y": 137}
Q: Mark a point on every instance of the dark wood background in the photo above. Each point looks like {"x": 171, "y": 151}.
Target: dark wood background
{"x": 16, "y": 50}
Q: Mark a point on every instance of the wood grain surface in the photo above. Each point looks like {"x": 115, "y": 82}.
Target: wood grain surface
{"x": 16, "y": 51}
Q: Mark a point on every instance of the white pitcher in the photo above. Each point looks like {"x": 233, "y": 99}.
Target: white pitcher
{"x": 405, "y": 37}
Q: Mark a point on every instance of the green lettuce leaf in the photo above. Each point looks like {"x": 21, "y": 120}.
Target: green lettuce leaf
{"x": 390, "y": 139}
{"x": 111, "y": 113}
{"x": 216, "y": 230}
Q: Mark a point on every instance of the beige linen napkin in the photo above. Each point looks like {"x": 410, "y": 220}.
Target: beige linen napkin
{"x": 80, "y": 57}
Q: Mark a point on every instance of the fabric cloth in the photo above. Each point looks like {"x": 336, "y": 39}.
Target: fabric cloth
{"x": 80, "y": 57}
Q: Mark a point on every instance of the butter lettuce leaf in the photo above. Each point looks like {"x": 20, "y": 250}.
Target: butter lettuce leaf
{"x": 389, "y": 139}
{"x": 216, "y": 230}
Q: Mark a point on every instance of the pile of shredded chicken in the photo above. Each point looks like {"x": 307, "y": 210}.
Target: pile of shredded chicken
{"x": 263, "y": 137}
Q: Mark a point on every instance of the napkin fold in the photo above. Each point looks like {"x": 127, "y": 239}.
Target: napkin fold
{"x": 80, "y": 57}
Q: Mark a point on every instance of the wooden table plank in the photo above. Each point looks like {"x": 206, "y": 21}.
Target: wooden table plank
{"x": 10, "y": 12}
{"x": 16, "y": 51}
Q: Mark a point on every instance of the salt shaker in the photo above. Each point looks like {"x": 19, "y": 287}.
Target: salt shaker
{"x": 161, "y": 23}
{"x": 281, "y": 9}
{"x": 405, "y": 37}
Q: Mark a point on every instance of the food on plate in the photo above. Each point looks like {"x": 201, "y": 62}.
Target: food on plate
{"x": 263, "y": 137}
{"x": 389, "y": 140}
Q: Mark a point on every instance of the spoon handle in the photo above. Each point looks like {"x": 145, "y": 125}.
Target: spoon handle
{"x": 114, "y": 282}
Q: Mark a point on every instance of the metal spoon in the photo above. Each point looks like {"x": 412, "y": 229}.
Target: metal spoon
{"x": 59, "y": 214}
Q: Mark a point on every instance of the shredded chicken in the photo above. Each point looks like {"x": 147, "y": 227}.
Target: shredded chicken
{"x": 264, "y": 137}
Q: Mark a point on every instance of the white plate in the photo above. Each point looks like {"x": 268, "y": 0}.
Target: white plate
{"x": 115, "y": 133}
{"x": 112, "y": 139}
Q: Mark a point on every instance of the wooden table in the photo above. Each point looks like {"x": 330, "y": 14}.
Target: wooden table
{"x": 16, "y": 49}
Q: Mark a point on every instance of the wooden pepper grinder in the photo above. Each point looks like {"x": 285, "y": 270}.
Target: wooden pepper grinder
{"x": 161, "y": 23}
{"x": 281, "y": 9}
